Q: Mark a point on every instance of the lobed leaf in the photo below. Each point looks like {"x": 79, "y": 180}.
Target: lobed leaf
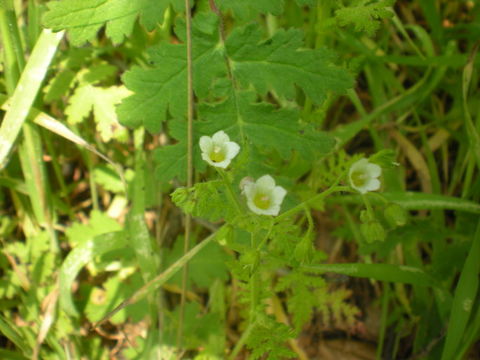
{"x": 280, "y": 63}
{"x": 264, "y": 126}
{"x": 84, "y": 18}
{"x": 163, "y": 87}
{"x": 365, "y": 15}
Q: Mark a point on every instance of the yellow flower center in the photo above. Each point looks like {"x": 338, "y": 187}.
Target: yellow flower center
{"x": 262, "y": 201}
{"x": 359, "y": 178}
{"x": 217, "y": 155}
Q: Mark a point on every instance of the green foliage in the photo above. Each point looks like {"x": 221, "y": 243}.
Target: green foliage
{"x": 365, "y": 15}
{"x": 206, "y": 200}
{"x": 248, "y": 9}
{"x": 162, "y": 88}
{"x": 281, "y": 62}
{"x": 104, "y": 299}
{"x": 204, "y": 269}
{"x": 263, "y": 343}
{"x": 83, "y": 19}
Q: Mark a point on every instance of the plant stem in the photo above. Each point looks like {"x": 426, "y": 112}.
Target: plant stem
{"x": 230, "y": 192}
{"x": 188, "y": 217}
{"x": 240, "y": 343}
{"x": 334, "y": 188}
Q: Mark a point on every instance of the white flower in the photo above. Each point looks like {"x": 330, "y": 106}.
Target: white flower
{"x": 363, "y": 176}
{"x": 218, "y": 150}
{"x": 263, "y": 197}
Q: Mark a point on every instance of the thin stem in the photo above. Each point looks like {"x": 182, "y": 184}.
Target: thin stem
{"x": 240, "y": 343}
{"x": 334, "y": 188}
{"x": 188, "y": 218}
{"x": 230, "y": 192}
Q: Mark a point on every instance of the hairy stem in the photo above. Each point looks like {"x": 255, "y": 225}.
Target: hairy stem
{"x": 188, "y": 217}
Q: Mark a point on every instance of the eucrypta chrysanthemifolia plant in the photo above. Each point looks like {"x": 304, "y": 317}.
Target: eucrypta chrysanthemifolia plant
{"x": 249, "y": 90}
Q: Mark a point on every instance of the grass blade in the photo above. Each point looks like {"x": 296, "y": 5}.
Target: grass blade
{"x": 463, "y": 300}
{"x": 381, "y": 272}
{"x": 26, "y": 91}
{"x": 416, "y": 201}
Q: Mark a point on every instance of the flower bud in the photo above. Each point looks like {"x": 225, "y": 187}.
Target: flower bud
{"x": 395, "y": 215}
{"x": 372, "y": 231}
{"x": 304, "y": 250}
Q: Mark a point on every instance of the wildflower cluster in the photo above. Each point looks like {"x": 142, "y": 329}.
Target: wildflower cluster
{"x": 264, "y": 197}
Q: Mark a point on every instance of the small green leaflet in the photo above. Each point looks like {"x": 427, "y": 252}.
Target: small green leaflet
{"x": 163, "y": 87}
{"x": 280, "y": 63}
{"x": 84, "y": 18}
{"x": 365, "y": 15}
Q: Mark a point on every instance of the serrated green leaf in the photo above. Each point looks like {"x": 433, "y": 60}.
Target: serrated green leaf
{"x": 102, "y": 101}
{"x": 247, "y": 9}
{"x": 84, "y": 18}
{"x": 254, "y": 124}
{"x": 163, "y": 87}
{"x": 365, "y": 15}
{"x": 264, "y": 126}
{"x": 280, "y": 63}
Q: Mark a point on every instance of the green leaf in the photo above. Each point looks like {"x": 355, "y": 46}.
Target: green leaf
{"x": 464, "y": 300}
{"x": 163, "y": 87}
{"x": 99, "y": 224}
{"x": 280, "y": 63}
{"x": 365, "y": 15}
{"x": 102, "y": 102}
{"x": 84, "y": 18}
{"x": 383, "y": 272}
{"x": 206, "y": 200}
{"x": 248, "y": 9}
{"x": 264, "y": 126}
{"x": 416, "y": 201}
{"x": 81, "y": 256}
{"x": 260, "y": 125}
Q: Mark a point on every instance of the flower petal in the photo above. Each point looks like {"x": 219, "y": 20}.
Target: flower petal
{"x": 206, "y": 144}
{"x": 278, "y": 195}
{"x": 372, "y": 185}
{"x": 232, "y": 149}
{"x": 266, "y": 182}
{"x": 220, "y": 137}
{"x": 374, "y": 170}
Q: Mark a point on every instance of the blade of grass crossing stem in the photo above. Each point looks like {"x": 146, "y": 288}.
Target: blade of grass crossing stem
{"x": 473, "y": 136}
{"x": 463, "y": 300}
{"x": 26, "y": 91}
{"x": 161, "y": 279}
{"x": 382, "y": 272}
